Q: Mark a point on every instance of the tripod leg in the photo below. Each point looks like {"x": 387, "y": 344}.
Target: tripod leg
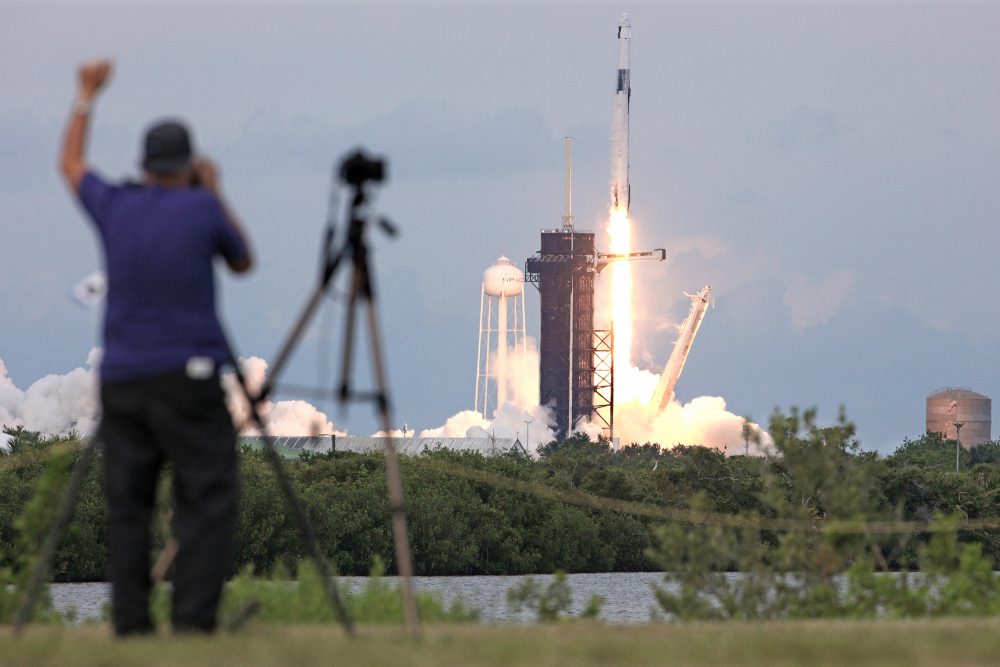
{"x": 293, "y": 338}
{"x": 393, "y": 480}
{"x": 295, "y": 504}
{"x": 308, "y": 535}
{"x": 63, "y": 515}
{"x": 348, "y": 349}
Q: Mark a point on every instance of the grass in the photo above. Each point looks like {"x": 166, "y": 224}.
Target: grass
{"x": 913, "y": 643}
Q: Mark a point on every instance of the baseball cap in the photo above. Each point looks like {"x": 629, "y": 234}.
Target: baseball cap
{"x": 167, "y": 148}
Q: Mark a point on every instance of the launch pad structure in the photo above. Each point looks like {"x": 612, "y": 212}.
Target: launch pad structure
{"x": 576, "y": 360}
{"x": 563, "y": 271}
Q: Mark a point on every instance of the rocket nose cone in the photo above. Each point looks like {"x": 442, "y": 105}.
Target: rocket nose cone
{"x": 623, "y": 21}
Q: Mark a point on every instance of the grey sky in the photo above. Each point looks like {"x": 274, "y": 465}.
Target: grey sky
{"x": 830, "y": 169}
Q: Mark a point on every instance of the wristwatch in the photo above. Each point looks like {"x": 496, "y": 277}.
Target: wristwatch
{"x": 81, "y": 108}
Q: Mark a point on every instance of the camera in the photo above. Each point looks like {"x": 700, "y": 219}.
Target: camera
{"x": 358, "y": 169}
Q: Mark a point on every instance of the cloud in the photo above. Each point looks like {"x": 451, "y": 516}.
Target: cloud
{"x": 813, "y": 303}
{"x": 805, "y": 127}
{"x": 425, "y": 137}
{"x": 707, "y": 246}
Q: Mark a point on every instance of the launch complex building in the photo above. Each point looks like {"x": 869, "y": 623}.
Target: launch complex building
{"x": 564, "y": 271}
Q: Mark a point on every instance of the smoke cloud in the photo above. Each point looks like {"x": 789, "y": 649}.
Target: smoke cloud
{"x": 55, "y": 404}
{"x": 283, "y": 418}
{"x": 520, "y": 416}
{"x": 702, "y": 421}
{"x": 59, "y": 404}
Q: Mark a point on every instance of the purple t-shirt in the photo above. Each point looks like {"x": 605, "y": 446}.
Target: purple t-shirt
{"x": 159, "y": 244}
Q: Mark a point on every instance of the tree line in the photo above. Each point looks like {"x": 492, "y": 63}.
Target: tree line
{"x": 492, "y": 520}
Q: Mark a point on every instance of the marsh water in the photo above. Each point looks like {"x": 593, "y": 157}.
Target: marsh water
{"x": 628, "y": 596}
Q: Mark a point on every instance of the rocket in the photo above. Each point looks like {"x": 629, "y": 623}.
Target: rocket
{"x": 619, "y": 129}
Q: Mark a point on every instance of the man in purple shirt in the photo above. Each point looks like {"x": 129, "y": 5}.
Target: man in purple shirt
{"x": 163, "y": 346}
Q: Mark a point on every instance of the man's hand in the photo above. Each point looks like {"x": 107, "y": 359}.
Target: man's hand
{"x": 207, "y": 173}
{"x": 208, "y": 178}
{"x": 93, "y": 76}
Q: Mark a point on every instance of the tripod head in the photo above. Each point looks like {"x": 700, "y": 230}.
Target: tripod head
{"x": 356, "y": 171}
{"x": 358, "y": 168}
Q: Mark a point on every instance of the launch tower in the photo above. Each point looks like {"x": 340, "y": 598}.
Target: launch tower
{"x": 563, "y": 271}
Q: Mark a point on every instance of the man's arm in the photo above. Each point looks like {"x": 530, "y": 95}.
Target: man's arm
{"x": 93, "y": 75}
{"x": 208, "y": 178}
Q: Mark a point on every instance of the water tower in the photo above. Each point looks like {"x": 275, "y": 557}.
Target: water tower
{"x": 501, "y": 331}
{"x": 951, "y": 405}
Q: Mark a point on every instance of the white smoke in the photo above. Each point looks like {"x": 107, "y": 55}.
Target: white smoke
{"x": 55, "y": 404}
{"x": 519, "y": 417}
{"x": 10, "y": 399}
{"x": 59, "y": 404}
{"x": 460, "y": 425}
{"x": 702, "y": 421}
{"x": 283, "y": 418}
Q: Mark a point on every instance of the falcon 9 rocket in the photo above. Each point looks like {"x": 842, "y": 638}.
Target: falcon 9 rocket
{"x": 619, "y": 131}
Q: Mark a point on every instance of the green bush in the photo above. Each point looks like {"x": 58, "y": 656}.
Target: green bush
{"x": 550, "y": 603}
{"x": 280, "y": 599}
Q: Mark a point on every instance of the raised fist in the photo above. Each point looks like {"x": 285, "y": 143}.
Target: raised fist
{"x": 93, "y": 75}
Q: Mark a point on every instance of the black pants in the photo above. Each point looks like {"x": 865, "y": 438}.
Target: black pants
{"x": 145, "y": 423}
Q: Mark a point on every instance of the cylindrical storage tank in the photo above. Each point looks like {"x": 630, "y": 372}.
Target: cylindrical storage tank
{"x": 501, "y": 330}
{"x": 503, "y": 279}
{"x": 974, "y": 411}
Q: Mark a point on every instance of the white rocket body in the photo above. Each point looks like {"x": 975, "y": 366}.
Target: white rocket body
{"x": 619, "y": 129}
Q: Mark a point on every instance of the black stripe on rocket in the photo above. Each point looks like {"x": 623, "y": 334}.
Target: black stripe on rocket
{"x": 623, "y": 82}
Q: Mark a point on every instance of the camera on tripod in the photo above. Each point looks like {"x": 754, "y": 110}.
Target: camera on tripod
{"x": 357, "y": 169}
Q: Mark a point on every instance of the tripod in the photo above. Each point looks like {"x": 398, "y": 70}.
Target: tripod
{"x": 357, "y": 171}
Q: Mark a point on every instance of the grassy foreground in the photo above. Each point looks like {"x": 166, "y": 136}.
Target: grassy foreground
{"x": 911, "y": 643}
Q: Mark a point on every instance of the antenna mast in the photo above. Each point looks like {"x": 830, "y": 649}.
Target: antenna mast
{"x": 568, "y": 212}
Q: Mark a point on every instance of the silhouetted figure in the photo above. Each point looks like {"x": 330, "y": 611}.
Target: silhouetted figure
{"x": 163, "y": 346}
